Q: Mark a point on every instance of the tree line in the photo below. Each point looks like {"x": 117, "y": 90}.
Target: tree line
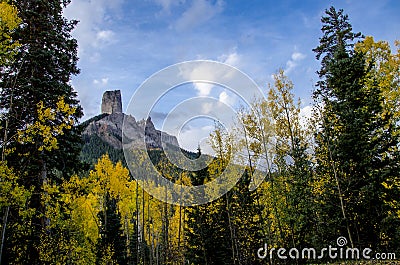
{"x": 334, "y": 175}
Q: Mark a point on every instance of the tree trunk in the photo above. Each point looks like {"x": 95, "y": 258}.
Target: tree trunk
{"x": 340, "y": 196}
{"x": 231, "y": 230}
{"x": 3, "y": 232}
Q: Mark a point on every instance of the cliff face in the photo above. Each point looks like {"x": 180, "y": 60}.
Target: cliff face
{"x": 111, "y": 102}
{"x": 109, "y": 127}
{"x": 154, "y": 137}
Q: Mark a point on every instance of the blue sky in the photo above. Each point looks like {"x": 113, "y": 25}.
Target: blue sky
{"x": 123, "y": 42}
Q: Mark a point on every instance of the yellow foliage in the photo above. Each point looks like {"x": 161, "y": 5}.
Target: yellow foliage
{"x": 285, "y": 112}
{"x": 48, "y": 126}
{"x": 110, "y": 178}
{"x": 11, "y": 193}
{"x": 9, "y": 21}
{"x": 385, "y": 70}
{"x": 82, "y": 199}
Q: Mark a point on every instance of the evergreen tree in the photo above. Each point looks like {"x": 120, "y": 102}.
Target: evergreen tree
{"x": 355, "y": 149}
{"x": 208, "y": 238}
{"x": 111, "y": 239}
{"x": 39, "y": 74}
{"x": 246, "y": 213}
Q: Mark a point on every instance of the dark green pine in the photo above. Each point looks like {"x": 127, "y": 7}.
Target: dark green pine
{"x": 355, "y": 138}
{"x": 111, "y": 235}
{"x": 41, "y": 72}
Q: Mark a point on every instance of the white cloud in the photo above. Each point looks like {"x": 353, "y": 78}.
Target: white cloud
{"x": 305, "y": 115}
{"x": 192, "y": 136}
{"x": 200, "y": 72}
{"x": 198, "y": 13}
{"x": 232, "y": 59}
{"x": 212, "y": 73}
{"x": 203, "y": 89}
{"x": 207, "y": 107}
{"x": 102, "y": 82}
{"x": 104, "y": 38}
{"x": 227, "y": 99}
{"x": 294, "y": 61}
{"x": 297, "y": 56}
{"x": 93, "y": 17}
{"x": 105, "y": 35}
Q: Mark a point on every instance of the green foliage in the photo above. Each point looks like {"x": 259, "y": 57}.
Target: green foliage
{"x": 293, "y": 179}
{"x": 356, "y": 144}
{"x": 111, "y": 233}
{"x": 338, "y": 34}
{"x": 94, "y": 147}
{"x": 16, "y": 214}
{"x": 39, "y": 109}
{"x": 43, "y": 78}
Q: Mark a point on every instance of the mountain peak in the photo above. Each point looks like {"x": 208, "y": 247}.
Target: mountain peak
{"x": 111, "y": 102}
{"x": 108, "y": 126}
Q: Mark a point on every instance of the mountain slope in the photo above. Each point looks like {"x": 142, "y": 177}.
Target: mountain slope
{"x": 103, "y": 134}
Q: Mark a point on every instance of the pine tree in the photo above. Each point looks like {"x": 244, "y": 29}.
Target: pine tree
{"x": 209, "y": 238}
{"x": 111, "y": 237}
{"x": 39, "y": 74}
{"x": 355, "y": 149}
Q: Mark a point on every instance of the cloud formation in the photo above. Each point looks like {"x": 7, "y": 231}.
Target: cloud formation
{"x": 102, "y": 82}
{"x": 93, "y": 16}
{"x": 232, "y": 59}
{"x": 167, "y": 5}
{"x": 294, "y": 61}
{"x": 199, "y": 12}
{"x": 104, "y": 37}
{"x": 227, "y": 99}
{"x": 305, "y": 115}
{"x": 191, "y": 137}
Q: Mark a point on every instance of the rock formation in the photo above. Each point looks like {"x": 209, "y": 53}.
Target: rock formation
{"x": 155, "y": 137}
{"x": 109, "y": 126}
{"x": 111, "y": 102}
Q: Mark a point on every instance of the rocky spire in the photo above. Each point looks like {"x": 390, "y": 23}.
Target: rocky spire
{"x": 111, "y": 102}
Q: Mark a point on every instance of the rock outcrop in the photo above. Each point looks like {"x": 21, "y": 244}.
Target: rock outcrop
{"x": 155, "y": 137}
{"x": 111, "y": 102}
{"x": 109, "y": 126}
